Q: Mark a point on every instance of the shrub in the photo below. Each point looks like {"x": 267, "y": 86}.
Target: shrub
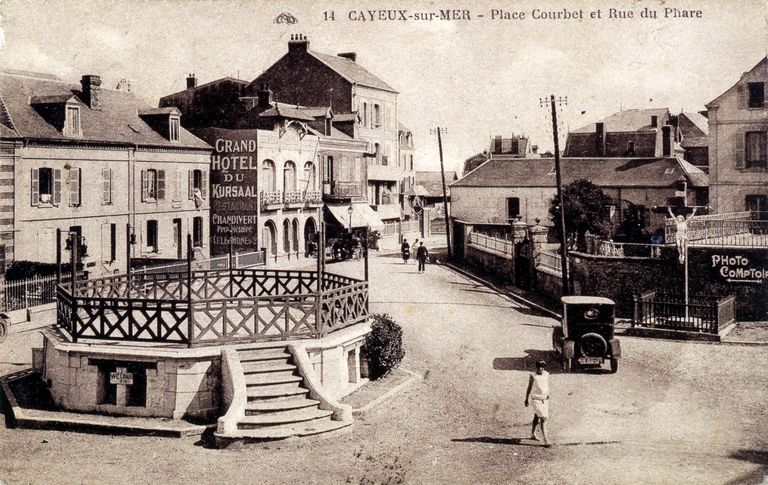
{"x": 22, "y": 270}
{"x": 383, "y": 346}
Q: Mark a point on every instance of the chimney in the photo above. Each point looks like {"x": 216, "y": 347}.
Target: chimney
{"x": 298, "y": 44}
{"x": 91, "y": 85}
{"x": 654, "y": 121}
{"x": 264, "y": 97}
{"x": 348, "y": 55}
{"x": 328, "y": 124}
{"x": 600, "y": 138}
{"x": 666, "y": 140}
{"x": 191, "y": 81}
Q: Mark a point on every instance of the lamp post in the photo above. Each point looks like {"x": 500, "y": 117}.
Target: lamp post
{"x": 350, "y": 211}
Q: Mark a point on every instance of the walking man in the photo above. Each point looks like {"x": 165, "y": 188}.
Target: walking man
{"x": 405, "y": 251}
{"x": 421, "y": 255}
{"x": 538, "y": 394}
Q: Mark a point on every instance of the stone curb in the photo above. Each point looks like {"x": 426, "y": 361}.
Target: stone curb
{"x": 389, "y": 394}
{"x": 84, "y": 423}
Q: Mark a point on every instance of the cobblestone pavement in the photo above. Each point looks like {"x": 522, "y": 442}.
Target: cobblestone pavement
{"x": 676, "y": 412}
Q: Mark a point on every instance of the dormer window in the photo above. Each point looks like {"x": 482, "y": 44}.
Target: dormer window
{"x": 173, "y": 129}
{"x": 72, "y": 121}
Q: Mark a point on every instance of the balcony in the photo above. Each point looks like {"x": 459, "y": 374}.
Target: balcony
{"x": 274, "y": 200}
{"x": 390, "y": 173}
{"x": 271, "y": 200}
{"x": 345, "y": 190}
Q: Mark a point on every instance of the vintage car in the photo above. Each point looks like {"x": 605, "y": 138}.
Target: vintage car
{"x": 585, "y": 335}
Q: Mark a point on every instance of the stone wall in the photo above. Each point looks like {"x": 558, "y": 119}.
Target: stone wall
{"x": 488, "y": 261}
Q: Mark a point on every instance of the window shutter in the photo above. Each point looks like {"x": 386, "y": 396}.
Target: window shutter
{"x": 177, "y": 184}
{"x": 57, "y": 187}
{"x": 741, "y": 95}
{"x": 204, "y": 188}
{"x": 106, "y": 185}
{"x": 738, "y": 149}
{"x": 191, "y": 184}
{"x": 106, "y": 239}
{"x": 144, "y": 186}
{"x": 74, "y": 186}
{"x": 161, "y": 185}
{"x": 35, "y": 192}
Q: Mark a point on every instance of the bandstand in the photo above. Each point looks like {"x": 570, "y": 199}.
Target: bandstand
{"x": 267, "y": 352}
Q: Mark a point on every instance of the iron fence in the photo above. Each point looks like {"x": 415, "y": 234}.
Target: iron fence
{"x": 707, "y": 314}
{"x": 549, "y": 260}
{"x": 743, "y": 229}
{"x": 17, "y": 295}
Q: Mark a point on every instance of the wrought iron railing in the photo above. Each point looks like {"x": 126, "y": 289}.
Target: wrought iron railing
{"x": 601, "y": 247}
{"x": 744, "y": 229}
{"x": 271, "y": 198}
{"x": 211, "y": 307}
{"x": 707, "y": 314}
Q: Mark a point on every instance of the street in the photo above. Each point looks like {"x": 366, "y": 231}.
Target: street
{"x": 676, "y": 412}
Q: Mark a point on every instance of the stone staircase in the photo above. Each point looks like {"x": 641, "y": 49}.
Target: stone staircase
{"x": 277, "y": 401}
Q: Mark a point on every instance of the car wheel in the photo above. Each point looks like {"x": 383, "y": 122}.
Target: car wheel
{"x": 614, "y": 365}
{"x": 3, "y": 330}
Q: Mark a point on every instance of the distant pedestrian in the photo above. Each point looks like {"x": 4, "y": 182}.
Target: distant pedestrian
{"x": 538, "y": 392}
{"x": 422, "y": 254}
{"x": 405, "y": 251}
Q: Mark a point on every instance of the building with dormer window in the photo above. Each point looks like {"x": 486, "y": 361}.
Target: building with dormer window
{"x": 99, "y": 163}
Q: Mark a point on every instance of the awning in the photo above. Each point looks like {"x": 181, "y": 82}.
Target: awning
{"x": 388, "y": 211}
{"x": 362, "y": 216}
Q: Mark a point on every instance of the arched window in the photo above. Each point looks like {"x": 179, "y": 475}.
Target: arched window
{"x": 296, "y": 235}
{"x": 289, "y": 177}
{"x": 309, "y": 176}
{"x": 286, "y": 236}
{"x": 268, "y": 181}
{"x": 270, "y": 238}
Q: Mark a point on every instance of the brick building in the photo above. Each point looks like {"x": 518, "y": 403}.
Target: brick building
{"x": 90, "y": 160}
{"x": 738, "y": 144}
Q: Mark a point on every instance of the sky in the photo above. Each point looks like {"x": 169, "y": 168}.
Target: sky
{"x": 477, "y": 78}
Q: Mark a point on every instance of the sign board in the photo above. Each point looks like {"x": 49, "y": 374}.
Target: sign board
{"x": 234, "y": 189}
{"x": 124, "y": 378}
{"x": 739, "y": 267}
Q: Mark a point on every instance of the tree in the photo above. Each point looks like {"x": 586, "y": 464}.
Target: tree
{"x": 585, "y": 205}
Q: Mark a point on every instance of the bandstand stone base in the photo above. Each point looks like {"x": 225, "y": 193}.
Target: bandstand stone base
{"x": 175, "y": 382}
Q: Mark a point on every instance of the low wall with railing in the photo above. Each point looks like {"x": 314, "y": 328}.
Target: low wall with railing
{"x": 211, "y": 307}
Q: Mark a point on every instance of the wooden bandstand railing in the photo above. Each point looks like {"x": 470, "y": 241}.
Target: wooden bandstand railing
{"x": 211, "y": 307}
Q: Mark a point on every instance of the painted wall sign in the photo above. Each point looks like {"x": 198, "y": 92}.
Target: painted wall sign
{"x": 234, "y": 189}
{"x": 739, "y": 268}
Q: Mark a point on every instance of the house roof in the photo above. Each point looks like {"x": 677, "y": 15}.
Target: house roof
{"x": 627, "y": 120}
{"x": 283, "y": 111}
{"x": 432, "y": 182}
{"x": 210, "y": 83}
{"x": 342, "y": 117}
{"x": 403, "y": 128}
{"x": 352, "y": 71}
{"x": 117, "y": 122}
{"x": 694, "y": 128}
{"x": 760, "y": 65}
{"x": 605, "y": 172}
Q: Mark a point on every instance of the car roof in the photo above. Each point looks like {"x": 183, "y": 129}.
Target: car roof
{"x": 583, "y": 300}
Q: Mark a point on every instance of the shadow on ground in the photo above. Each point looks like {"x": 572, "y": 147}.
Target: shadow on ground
{"x": 498, "y": 441}
{"x": 528, "y": 363}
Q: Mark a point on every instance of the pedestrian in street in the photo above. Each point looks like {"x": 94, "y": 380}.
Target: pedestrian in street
{"x": 405, "y": 251}
{"x": 422, "y": 254}
{"x": 538, "y": 394}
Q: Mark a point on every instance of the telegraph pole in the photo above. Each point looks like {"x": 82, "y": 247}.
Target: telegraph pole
{"x": 439, "y": 131}
{"x": 559, "y": 181}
